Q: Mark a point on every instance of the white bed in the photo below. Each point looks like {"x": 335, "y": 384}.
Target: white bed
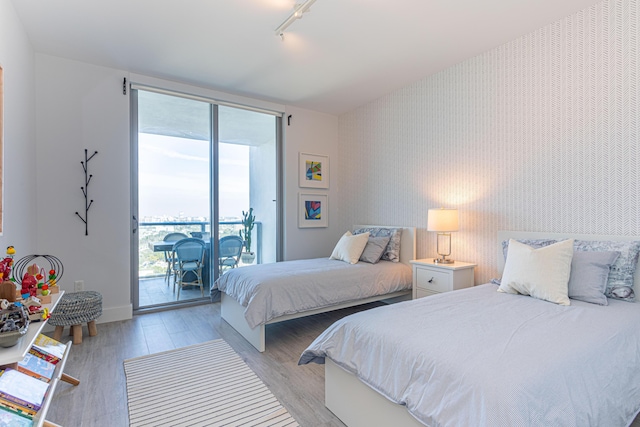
{"x": 235, "y": 313}
{"x": 358, "y": 404}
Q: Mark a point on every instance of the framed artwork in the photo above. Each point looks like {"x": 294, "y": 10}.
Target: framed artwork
{"x": 313, "y": 210}
{"x": 314, "y": 171}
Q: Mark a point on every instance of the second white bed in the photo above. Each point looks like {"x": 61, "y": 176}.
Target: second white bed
{"x": 255, "y": 296}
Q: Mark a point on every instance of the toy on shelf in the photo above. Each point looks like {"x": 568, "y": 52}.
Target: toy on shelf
{"x": 29, "y": 283}
{"x": 37, "y": 282}
{"x": 7, "y": 287}
{"x": 35, "y": 310}
{"x": 52, "y": 284}
{"x": 7, "y": 263}
{"x": 14, "y": 322}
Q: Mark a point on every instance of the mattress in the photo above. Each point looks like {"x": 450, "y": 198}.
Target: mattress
{"x": 483, "y": 358}
{"x": 272, "y": 290}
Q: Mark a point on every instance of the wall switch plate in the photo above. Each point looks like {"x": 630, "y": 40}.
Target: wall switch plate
{"x": 78, "y": 285}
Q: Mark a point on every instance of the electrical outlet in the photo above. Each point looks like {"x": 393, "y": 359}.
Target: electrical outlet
{"x": 78, "y": 285}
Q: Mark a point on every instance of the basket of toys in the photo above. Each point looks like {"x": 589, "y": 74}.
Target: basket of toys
{"x": 14, "y": 323}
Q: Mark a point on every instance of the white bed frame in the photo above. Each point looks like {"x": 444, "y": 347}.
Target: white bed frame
{"x": 233, "y": 313}
{"x": 358, "y": 405}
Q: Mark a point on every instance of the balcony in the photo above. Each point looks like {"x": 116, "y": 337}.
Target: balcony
{"x": 153, "y": 288}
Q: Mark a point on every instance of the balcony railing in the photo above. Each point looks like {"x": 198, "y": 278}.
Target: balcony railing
{"x": 153, "y": 264}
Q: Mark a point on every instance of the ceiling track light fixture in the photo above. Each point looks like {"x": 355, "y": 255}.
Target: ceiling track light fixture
{"x": 298, "y": 10}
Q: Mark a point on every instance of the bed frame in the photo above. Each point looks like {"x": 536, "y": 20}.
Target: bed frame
{"x": 358, "y": 405}
{"x": 233, "y": 313}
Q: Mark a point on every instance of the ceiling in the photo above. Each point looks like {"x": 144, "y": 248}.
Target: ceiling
{"x": 342, "y": 54}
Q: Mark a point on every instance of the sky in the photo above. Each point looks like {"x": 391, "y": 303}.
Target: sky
{"x": 173, "y": 177}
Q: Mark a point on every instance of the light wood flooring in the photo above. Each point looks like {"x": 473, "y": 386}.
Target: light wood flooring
{"x": 101, "y": 399}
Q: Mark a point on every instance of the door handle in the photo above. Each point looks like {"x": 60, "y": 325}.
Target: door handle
{"x": 135, "y": 227}
{"x": 431, "y": 280}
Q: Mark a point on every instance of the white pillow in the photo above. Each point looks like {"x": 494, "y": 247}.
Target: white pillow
{"x": 542, "y": 273}
{"x": 350, "y": 247}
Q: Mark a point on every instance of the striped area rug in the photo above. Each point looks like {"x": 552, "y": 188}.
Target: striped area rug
{"x": 205, "y": 384}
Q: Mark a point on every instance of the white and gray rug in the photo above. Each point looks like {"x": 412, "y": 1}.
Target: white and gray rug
{"x": 205, "y": 384}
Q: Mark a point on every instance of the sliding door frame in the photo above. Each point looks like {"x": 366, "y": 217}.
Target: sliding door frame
{"x": 213, "y": 181}
{"x": 133, "y": 174}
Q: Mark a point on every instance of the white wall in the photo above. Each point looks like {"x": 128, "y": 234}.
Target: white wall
{"x": 313, "y": 133}
{"x": 20, "y": 206}
{"x": 540, "y": 134}
{"x": 81, "y": 106}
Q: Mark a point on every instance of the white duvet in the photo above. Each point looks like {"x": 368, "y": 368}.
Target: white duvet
{"x": 477, "y": 357}
{"x": 273, "y": 290}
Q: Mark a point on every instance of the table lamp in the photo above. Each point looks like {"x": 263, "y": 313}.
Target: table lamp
{"x": 444, "y": 221}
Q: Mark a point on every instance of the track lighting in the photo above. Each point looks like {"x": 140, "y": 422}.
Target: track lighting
{"x": 298, "y": 10}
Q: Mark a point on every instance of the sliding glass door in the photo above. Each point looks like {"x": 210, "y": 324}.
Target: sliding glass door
{"x": 248, "y": 180}
{"x": 198, "y": 169}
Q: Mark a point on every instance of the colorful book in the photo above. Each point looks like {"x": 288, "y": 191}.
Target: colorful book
{"x": 22, "y": 389}
{"x": 11, "y": 419}
{"x": 48, "y": 349}
{"x": 36, "y": 367}
{"x": 17, "y": 409}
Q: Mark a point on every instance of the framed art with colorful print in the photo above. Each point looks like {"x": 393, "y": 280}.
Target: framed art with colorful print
{"x": 314, "y": 171}
{"x": 313, "y": 210}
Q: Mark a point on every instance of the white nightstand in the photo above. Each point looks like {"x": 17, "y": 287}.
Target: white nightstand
{"x": 430, "y": 278}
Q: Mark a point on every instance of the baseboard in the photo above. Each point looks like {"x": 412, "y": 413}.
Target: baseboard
{"x": 112, "y": 314}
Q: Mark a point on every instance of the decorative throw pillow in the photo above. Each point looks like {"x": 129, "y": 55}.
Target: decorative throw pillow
{"x": 589, "y": 275}
{"x": 542, "y": 273}
{"x": 350, "y": 247}
{"x": 534, "y": 243}
{"x": 392, "y": 251}
{"x": 374, "y": 249}
{"x": 620, "y": 281}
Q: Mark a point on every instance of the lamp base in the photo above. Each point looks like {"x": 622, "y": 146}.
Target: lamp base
{"x": 443, "y": 261}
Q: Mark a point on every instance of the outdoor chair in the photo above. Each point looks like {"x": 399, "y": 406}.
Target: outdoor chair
{"x": 229, "y": 251}
{"x": 189, "y": 259}
{"x": 171, "y": 237}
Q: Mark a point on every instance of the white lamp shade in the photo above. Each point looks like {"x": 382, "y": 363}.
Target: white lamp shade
{"x": 442, "y": 220}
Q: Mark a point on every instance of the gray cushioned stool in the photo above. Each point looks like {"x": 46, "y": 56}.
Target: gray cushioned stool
{"x": 74, "y": 309}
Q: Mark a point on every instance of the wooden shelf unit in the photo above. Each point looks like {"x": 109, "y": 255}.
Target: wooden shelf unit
{"x": 59, "y": 375}
{"x": 10, "y": 356}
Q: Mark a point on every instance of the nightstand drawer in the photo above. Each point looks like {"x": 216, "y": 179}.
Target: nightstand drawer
{"x": 433, "y": 280}
{"x": 421, "y": 293}
{"x": 430, "y": 278}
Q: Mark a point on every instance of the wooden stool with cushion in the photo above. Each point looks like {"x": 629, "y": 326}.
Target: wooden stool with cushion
{"x": 74, "y": 309}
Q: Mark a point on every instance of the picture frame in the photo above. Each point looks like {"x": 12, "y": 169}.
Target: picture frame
{"x": 313, "y": 210}
{"x": 314, "y": 171}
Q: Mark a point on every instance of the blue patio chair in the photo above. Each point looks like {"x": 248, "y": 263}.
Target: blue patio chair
{"x": 189, "y": 258}
{"x": 168, "y": 255}
{"x": 229, "y": 251}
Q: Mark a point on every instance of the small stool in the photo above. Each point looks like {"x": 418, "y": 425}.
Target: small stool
{"x": 73, "y": 310}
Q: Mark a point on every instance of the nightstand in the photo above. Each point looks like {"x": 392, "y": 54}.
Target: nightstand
{"x": 430, "y": 278}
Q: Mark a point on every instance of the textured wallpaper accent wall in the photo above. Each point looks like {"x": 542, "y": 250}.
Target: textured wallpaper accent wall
{"x": 540, "y": 134}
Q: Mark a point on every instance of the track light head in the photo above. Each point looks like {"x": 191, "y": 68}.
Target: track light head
{"x": 297, "y": 13}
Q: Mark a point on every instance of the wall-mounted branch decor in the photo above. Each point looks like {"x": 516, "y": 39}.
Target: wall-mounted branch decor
{"x": 85, "y": 191}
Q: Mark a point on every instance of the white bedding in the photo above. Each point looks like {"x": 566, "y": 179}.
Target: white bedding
{"x": 483, "y": 358}
{"x": 269, "y": 291}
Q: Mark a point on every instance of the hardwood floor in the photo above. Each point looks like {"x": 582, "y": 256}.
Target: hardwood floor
{"x": 101, "y": 399}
